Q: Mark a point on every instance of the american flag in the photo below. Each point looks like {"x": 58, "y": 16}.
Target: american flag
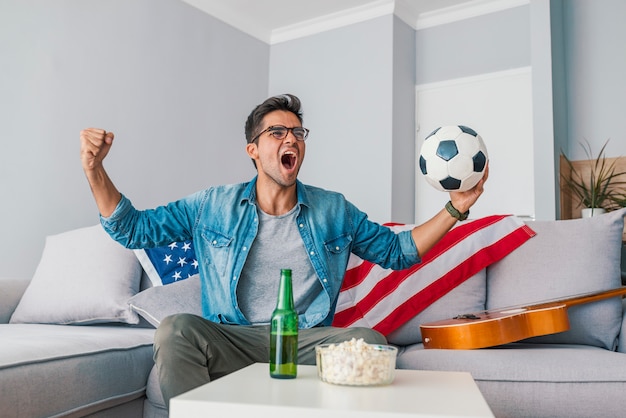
{"x": 171, "y": 263}
{"x": 384, "y": 299}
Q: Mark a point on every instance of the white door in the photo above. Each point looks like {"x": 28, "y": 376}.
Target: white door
{"x": 498, "y": 106}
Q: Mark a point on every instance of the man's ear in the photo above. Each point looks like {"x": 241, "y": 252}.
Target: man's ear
{"x": 251, "y": 149}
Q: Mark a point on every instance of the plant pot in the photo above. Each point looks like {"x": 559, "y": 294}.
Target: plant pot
{"x": 589, "y": 212}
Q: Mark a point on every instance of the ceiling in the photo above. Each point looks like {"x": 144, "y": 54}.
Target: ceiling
{"x": 266, "y": 19}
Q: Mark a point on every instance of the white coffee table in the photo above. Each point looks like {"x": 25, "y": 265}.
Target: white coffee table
{"x": 251, "y": 392}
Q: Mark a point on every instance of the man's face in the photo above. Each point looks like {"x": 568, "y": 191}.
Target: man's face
{"x": 278, "y": 160}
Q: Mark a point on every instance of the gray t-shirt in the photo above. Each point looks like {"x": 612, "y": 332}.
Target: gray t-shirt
{"x": 278, "y": 245}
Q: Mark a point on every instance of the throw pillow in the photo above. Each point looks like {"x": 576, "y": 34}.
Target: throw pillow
{"x": 168, "y": 264}
{"x": 568, "y": 257}
{"x": 158, "y": 302}
{"x": 83, "y": 277}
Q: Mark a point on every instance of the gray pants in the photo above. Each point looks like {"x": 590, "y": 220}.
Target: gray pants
{"x": 190, "y": 351}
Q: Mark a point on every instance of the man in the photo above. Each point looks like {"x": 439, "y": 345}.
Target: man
{"x": 243, "y": 235}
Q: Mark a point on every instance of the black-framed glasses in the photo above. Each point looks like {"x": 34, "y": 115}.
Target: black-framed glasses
{"x": 280, "y": 132}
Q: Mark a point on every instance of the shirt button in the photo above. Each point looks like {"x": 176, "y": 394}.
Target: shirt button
{"x": 336, "y": 248}
{"x": 244, "y": 248}
{"x": 301, "y": 225}
{"x": 312, "y": 252}
{"x": 234, "y": 277}
{"x": 325, "y": 281}
{"x": 214, "y": 242}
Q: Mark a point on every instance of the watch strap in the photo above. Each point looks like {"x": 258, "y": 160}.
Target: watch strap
{"x": 455, "y": 213}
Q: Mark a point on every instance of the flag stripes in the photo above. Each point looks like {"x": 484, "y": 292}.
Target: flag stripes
{"x": 384, "y": 299}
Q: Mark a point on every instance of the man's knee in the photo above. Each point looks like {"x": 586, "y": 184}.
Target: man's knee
{"x": 172, "y": 327}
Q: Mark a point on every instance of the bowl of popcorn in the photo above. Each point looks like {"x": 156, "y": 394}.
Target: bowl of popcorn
{"x": 356, "y": 363}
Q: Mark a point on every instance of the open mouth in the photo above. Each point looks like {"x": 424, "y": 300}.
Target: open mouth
{"x": 288, "y": 160}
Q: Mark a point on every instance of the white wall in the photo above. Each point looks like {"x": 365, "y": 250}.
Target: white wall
{"x": 173, "y": 83}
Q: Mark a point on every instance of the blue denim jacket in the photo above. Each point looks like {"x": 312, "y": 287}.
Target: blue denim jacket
{"x": 223, "y": 222}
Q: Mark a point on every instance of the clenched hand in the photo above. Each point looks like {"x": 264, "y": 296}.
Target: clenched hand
{"x": 94, "y": 147}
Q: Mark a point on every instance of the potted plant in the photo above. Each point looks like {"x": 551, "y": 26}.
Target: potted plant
{"x": 595, "y": 186}
{"x": 618, "y": 200}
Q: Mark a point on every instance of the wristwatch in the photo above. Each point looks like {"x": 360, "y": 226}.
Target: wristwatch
{"x": 455, "y": 213}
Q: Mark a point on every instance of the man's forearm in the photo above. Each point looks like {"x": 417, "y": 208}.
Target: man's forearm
{"x": 104, "y": 191}
{"x": 427, "y": 234}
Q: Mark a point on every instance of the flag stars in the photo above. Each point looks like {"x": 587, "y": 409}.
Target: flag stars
{"x": 174, "y": 262}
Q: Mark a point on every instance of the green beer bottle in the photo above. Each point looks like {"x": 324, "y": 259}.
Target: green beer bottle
{"x": 284, "y": 332}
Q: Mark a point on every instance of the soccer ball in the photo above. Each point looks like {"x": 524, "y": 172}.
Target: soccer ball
{"x": 453, "y": 158}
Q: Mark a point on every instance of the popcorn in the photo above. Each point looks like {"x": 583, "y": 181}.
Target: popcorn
{"x": 356, "y": 363}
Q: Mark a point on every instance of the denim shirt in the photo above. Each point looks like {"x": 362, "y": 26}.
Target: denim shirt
{"x": 223, "y": 223}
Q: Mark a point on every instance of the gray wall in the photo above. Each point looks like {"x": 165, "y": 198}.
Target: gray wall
{"x": 595, "y": 62}
{"x": 483, "y": 44}
{"x": 403, "y": 129}
{"x": 345, "y": 78}
{"x": 357, "y": 84}
{"x": 509, "y": 39}
{"x": 575, "y": 48}
{"x": 174, "y": 84}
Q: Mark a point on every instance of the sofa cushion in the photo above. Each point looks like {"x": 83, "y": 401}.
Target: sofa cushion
{"x": 535, "y": 380}
{"x": 83, "y": 277}
{"x": 522, "y": 362}
{"x": 157, "y": 302}
{"x": 566, "y": 258}
{"x": 58, "y": 370}
{"x": 154, "y": 394}
{"x": 621, "y": 340}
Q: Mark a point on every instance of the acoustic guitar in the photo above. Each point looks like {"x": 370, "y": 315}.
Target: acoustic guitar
{"x": 502, "y": 326}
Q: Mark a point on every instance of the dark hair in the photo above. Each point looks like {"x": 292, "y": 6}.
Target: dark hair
{"x": 287, "y": 102}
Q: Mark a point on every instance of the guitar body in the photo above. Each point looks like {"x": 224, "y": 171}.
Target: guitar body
{"x": 490, "y": 328}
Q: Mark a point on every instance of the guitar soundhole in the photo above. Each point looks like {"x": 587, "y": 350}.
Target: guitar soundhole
{"x": 466, "y": 316}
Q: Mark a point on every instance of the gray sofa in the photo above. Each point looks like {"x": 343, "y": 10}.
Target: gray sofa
{"x": 77, "y": 338}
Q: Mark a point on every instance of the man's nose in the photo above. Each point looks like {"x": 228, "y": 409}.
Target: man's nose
{"x": 290, "y": 138}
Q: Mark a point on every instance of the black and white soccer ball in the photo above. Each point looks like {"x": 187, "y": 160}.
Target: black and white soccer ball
{"x": 453, "y": 158}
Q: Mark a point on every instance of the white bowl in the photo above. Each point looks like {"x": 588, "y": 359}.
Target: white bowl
{"x": 356, "y": 363}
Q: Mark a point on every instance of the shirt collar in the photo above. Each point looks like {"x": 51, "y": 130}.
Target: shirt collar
{"x": 249, "y": 193}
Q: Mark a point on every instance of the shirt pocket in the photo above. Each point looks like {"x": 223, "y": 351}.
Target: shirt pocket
{"x": 338, "y": 246}
{"x": 218, "y": 247}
